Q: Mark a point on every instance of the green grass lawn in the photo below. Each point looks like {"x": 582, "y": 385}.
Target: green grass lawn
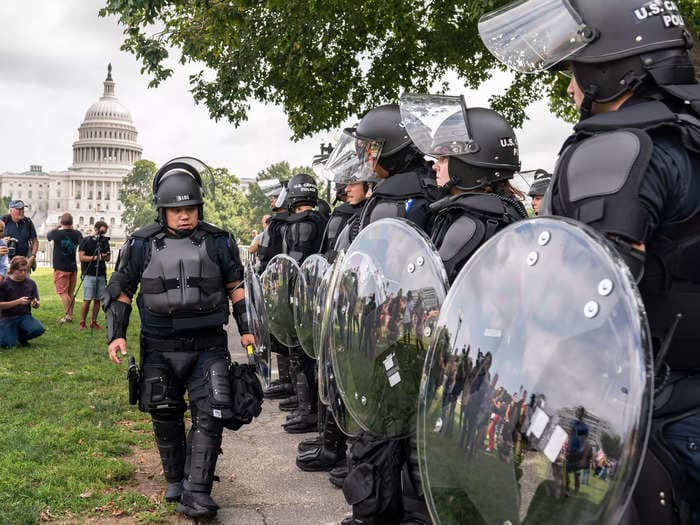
{"x": 67, "y": 426}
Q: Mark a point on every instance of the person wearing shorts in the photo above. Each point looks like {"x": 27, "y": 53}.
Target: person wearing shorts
{"x": 65, "y": 270}
{"x": 93, "y": 253}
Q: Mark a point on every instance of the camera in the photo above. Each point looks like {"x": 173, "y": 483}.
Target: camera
{"x": 12, "y": 247}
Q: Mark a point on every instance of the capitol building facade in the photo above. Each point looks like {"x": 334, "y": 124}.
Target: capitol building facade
{"x": 103, "y": 155}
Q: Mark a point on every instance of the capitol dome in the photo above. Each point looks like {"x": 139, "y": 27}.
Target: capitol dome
{"x": 107, "y": 136}
{"x": 108, "y": 108}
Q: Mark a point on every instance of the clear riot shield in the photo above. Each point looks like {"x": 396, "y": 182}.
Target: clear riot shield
{"x": 257, "y": 321}
{"x": 539, "y": 372}
{"x": 327, "y": 387}
{"x": 387, "y": 288}
{"x": 306, "y": 290}
{"x": 278, "y": 281}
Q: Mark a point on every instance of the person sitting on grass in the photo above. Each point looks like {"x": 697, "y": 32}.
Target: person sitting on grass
{"x": 18, "y": 293}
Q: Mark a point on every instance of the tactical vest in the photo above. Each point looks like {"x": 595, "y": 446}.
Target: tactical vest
{"x": 271, "y": 241}
{"x": 335, "y": 225}
{"x": 610, "y": 203}
{"x": 402, "y": 195}
{"x": 464, "y": 222}
{"x": 183, "y": 282}
{"x": 302, "y": 234}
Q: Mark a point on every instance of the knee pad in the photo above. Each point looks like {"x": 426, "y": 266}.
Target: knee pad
{"x": 211, "y": 393}
{"x": 159, "y": 393}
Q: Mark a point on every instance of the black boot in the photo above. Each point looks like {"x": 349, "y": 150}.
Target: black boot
{"x": 203, "y": 448}
{"x": 196, "y": 504}
{"x": 315, "y": 442}
{"x": 282, "y": 387}
{"x": 278, "y": 390}
{"x": 289, "y": 404}
{"x": 307, "y": 419}
{"x": 170, "y": 439}
{"x": 337, "y": 475}
{"x": 330, "y": 454}
{"x": 309, "y": 444}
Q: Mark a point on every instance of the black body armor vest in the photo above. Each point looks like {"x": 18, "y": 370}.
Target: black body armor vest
{"x": 302, "y": 234}
{"x": 464, "y": 222}
{"x": 403, "y": 195}
{"x": 182, "y": 282}
{"x": 337, "y": 221}
{"x": 670, "y": 282}
{"x": 271, "y": 241}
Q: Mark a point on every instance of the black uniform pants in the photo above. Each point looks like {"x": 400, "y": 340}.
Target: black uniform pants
{"x": 166, "y": 376}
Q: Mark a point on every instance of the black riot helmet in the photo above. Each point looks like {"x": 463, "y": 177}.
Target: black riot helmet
{"x": 480, "y": 144}
{"x": 611, "y": 46}
{"x": 301, "y": 189}
{"x": 384, "y": 125}
{"x": 540, "y": 184}
{"x": 179, "y": 183}
{"x": 496, "y": 157}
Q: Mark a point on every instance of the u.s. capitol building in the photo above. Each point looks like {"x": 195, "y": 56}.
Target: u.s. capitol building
{"x": 103, "y": 155}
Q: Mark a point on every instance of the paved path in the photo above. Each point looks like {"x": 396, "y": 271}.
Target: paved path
{"x": 260, "y": 483}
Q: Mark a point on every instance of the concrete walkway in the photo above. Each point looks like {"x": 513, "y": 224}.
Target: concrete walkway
{"x": 260, "y": 482}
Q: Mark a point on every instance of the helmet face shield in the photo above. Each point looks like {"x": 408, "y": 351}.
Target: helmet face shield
{"x": 281, "y": 202}
{"x": 437, "y": 124}
{"x": 270, "y": 187}
{"x": 353, "y": 159}
{"x": 531, "y": 36}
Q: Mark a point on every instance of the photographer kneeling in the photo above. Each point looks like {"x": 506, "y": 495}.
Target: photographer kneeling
{"x": 18, "y": 293}
{"x": 93, "y": 252}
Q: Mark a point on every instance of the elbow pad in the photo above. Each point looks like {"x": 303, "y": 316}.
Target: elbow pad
{"x": 240, "y": 313}
{"x": 117, "y": 315}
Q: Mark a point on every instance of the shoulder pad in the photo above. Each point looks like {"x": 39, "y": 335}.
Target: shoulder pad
{"x": 210, "y": 228}
{"x": 148, "y": 231}
{"x": 598, "y": 182}
{"x": 602, "y": 164}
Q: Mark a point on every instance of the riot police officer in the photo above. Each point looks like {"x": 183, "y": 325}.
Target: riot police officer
{"x": 271, "y": 245}
{"x": 188, "y": 270}
{"x": 302, "y": 237}
{"x": 305, "y": 225}
{"x": 271, "y": 242}
{"x": 477, "y": 155}
{"x": 631, "y": 172}
{"x": 336, "y": 222}
{"x": 405, "y": 189}
{"x": 474, "y": 177}
{"x": 406, "y": 184}
{"x": 327, "y": 450}
{"x": 538, "y": 188}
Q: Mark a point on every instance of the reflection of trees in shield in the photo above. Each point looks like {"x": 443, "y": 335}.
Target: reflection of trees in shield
{"x": 277, "y": 283}
{"x": 388, "y": 288}
{"x": 258, "y": 324}
{"x": 307, "y": 287}
{"x": 557, "y": 327}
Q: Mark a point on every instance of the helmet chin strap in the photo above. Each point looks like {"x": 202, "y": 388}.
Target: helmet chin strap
{"x": 589, "y": 96}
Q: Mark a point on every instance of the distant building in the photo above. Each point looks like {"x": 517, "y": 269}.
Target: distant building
{"x": 103, "y": 155}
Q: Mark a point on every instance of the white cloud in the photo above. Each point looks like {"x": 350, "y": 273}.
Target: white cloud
{"x": 53, "y": 58}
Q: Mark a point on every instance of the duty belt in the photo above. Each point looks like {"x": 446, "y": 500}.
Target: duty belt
{"x": 185, "y": 344}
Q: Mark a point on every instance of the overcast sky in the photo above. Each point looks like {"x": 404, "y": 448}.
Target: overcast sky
{"x": 53, "y": 60}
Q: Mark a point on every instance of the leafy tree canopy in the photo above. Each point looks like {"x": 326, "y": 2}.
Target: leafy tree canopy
{"x": 136, "y": 196}
{"x": 324, "y": 61}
